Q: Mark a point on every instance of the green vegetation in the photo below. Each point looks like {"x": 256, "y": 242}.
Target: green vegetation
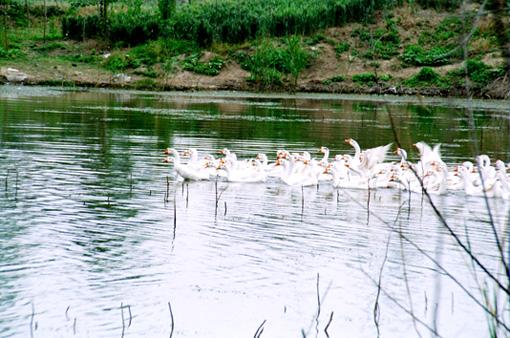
{"x": 238, "y": 20}
{"x": 275, "y": 41}
{"x": 334, "y": 79}
{"x": 365, "y": 78}
{"x": 342, "y": 47}
{"x": 381, "y": 43}
{"x": 426, "y": 77}
{"x": 478, "y": 73}
{"x": 211, "y": 67}
{"x": 271, "y": 62}
{"x": 417, "y": 56}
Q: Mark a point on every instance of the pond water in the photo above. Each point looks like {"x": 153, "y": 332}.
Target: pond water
{"x": 89, "y": 246}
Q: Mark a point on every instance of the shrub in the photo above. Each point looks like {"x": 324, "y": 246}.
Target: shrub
{"x": 80, "y": 27}
{"x": 133, "y": 29}
{"x": 10, "y": 53}
{"x": 417, "y": 56}
{"x": 342, "y": 47}
{"x": 440, "y": 4}
{"x": 270, "y": 62}
{"x": 477, "y": 71}
{"x": 334, "y": 79}
{"x": 426, "y": 77}
{"x": 365, "y": 78}
{"x": 129, "y": 29}
{"x": 382, "y": 43}
{"x": 120, "y": 62}
{"x": 211, "y": 67}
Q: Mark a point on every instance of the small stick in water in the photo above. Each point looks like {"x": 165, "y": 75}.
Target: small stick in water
{"x": 187, "y": 195}
{"x": 32, "y": 321}
{"x": 67, "y": 311}
{"x": 327, "y": 325}
{"x": 16, "y": 186}
{"x": 225, "y": 213}
{"x": 175, "y": 212}
{"x": 122, "y": 317}
{"x": 260, "y": 329}
{"x": 172, "y": 318}
{"x": 302, "y": 200}
{"x": 216, "y": 198}
{"x": 167, "y": 190}
{"x": 130, "y": 316}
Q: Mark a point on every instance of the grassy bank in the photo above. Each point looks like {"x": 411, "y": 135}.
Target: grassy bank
{"x": 407, "y": 49}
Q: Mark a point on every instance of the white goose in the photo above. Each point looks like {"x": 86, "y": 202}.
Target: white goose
{"x": 367, "y": 158}
{"x": 305, "y": 177}
{"x": 187, "y": 172}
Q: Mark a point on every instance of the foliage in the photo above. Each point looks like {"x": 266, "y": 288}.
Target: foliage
{"x": 342, "y": 47}
{"x": 365, "y": 78}
{"x": 426, "y": 77}
{"x": 48, "y": 47}
{"x": 10, "y": 53}
{"x": 440, "y": 4}
{"x": 84, "y": 58}
{"x": 235, "y": 21}
{"x": 479, "y": 73}
{"x": 447, "y": 33}
{"x": 417, "y": 56}
{"x": 382, "y": 43}
{"x": 271, "y": 62}
{"x": 334, "y": 79}
{"x": 126, "y": 28}
{"x": 297, "y": 57}
{"x": 80, "y": 27}
{"x": 133, "y": 28}
{"x": 120, "y": 62}
{"x": 211, "y": 67}
{"x": 166, "y": 8}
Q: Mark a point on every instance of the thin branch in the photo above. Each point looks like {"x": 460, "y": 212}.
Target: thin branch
{"x": 376, "y": 310}
{"x": 436, "y": 263}
{"x": 401, "y": 306}
{"x": 449, "y": 229}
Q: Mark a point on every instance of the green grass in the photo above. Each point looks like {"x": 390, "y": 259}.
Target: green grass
{"x": 426, "y": 77}
{"x": 239, "y": 20}
{"x": 275, "y": 61}
{"x": 334, "y": 79}
{"x": 365, "y": 78}
{"x": 211, "y": 67}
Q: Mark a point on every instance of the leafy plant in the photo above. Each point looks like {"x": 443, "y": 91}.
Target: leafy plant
{"x": 365, "y": 78}
{"x": 334, "y": 79}
{"x": 417, "y": 56}
{"x": 426, "y": 77}
{"x": 342, "y": 47}
{"x": 479, "y": 73}
{"x": 211, "y": 67}
{"x": 271, "y": 62}
{"x": 10, "y": 53}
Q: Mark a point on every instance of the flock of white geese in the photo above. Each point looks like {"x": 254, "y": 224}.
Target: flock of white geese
{"x": 365, "y": 169}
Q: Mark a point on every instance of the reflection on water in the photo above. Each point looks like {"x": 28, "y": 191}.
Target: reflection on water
{"x": 85, "y": 225}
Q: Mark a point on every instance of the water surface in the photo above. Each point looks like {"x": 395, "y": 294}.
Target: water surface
{"x": 87, "y": 225}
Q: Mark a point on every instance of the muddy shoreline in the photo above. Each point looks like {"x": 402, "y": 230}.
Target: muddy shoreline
{"x": 499, "y": 91}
